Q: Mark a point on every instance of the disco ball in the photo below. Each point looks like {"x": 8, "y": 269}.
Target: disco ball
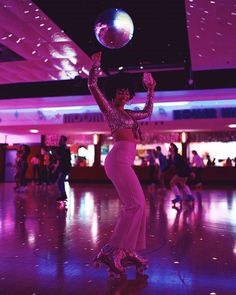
{"x": 114, "y": 28}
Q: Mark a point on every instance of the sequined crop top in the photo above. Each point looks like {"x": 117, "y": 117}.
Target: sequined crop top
{"x": 118, "y": 119}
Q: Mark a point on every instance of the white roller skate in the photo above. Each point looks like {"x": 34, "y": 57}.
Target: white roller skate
{"x": 62, "y": 202}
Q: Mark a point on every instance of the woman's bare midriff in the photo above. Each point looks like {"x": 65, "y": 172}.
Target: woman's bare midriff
{"x": 124, "y": 134}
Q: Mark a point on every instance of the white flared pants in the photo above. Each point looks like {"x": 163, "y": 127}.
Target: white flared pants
{"x": 130, "y": 229}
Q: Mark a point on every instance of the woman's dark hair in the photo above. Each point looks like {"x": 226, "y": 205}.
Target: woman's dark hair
{"x": 174, "y": 147}
{"x": 64, "y": 137}
{"x": 27, "y": 149}
{"x": 121, "y": 80}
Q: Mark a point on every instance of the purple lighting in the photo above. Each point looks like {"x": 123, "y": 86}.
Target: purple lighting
{"x": 211, "y": 29}
{"x": 47, "y": 53}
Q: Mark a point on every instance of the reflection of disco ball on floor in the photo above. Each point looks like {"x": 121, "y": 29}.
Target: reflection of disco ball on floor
{"x": 114, "y": 28}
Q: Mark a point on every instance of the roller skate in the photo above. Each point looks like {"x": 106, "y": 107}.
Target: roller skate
{"x": 177, "y": 199}
{"x": 62, "y": 202}
{"x": 112, "y": 259}
{"x": 140, "y": 263}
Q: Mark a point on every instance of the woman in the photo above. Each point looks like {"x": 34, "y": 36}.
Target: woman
{"x": 129, "y": 233}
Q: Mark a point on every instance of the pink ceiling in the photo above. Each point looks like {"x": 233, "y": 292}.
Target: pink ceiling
{"x": 48, "y": 53}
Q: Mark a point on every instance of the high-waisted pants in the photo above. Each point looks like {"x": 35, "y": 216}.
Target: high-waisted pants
{"x": 130, "y": 229}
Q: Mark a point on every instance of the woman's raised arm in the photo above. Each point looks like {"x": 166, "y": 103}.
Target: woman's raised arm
{"x": 150, "y": 85}
{"x": 92, "y": 84}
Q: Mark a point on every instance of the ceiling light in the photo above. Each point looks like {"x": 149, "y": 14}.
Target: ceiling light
{"x": 34, "y": 131}
{"x": 232, "y": 125}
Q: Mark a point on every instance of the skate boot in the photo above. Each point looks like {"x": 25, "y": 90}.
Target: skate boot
{"x": 62, "y": 198}
{"x": 140, "y": 263}
{"x": 61, "y": 205}
{"x": 62, "y": 202}
{"x": 112, "y": 259}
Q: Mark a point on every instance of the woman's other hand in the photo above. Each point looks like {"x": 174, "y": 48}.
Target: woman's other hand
{"x": 96, "y": 58}
{"x": 148, "y": 81}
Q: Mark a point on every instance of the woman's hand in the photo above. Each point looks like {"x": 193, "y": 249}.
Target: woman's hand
{"x": 96, "y": 58}
{"x": 148, "y": 81}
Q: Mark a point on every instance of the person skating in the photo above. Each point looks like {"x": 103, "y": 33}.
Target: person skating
{"x": 129, "y": 234}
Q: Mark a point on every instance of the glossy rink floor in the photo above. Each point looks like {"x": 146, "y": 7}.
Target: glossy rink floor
{"x": 45, "y": 249}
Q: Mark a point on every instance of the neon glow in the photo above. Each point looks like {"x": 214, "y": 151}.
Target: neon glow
{"x": 95, "y": 139}
{"x": 34, "y": 131}
{"x": 183, "y": 137}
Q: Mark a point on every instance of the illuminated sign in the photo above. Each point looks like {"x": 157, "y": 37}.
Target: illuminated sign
{"x": 209, "y": 113}
{"x": 86, "y": 117}
{"x": 228, "y": 113}
{"x": 194, "y": 114}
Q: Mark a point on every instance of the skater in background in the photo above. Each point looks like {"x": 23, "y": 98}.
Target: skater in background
{"x": 44, "y": 179}
{"x": 152, "y": 168}
{"x": 210, "y": 163}
{"x": 17, "y": 170}
{"x": 197, "y": 161}
{"x": 62, "y": 166}
{"x": 130, "y": 230}
{"x": 163, "y": 165}
{"x": 22, "y": 167}
{"x": 197, "y": 164}
{"x": 182, "y": 172}
{"x": 35, "y": 162}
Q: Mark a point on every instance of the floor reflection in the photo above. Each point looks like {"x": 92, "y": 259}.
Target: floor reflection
{"x": 48, "y": 249}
